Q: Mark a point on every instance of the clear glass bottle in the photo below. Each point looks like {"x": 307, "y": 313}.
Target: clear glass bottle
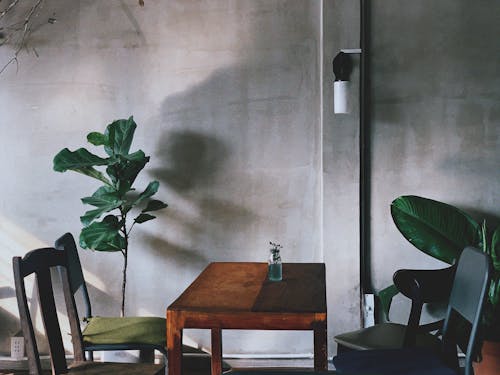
{"x": 275, "y": 272}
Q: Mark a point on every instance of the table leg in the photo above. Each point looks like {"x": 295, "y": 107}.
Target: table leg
{"x": 320, "y": 347}
{"x": 174, "y": 344}
{"x": 216, "y": 351}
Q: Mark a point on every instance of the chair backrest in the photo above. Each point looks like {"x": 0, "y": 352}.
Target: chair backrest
{"x": 67, "y": 244}
{"x": 40, "y": 262}
{"x": 423, "y": 286}
{"x": 468, "y": 294}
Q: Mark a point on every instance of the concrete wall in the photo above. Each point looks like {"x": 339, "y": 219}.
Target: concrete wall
{"x": 436, "y": 116}
{"x": 226, "y": 97}
{"x": 341, "y": 174}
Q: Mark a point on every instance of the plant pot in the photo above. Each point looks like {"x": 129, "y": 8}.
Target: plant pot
{"x": 490, "y": 363}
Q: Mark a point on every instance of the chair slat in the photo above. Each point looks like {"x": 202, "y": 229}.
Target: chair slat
{"x": 50, "y": 321}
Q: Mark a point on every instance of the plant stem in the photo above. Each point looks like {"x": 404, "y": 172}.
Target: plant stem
{"x": 125, "y": 260}
{"x": 122, "y": 312}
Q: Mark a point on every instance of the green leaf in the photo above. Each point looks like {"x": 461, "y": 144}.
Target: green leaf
{"x": 137, "y": 156}
{"x": 143, "y": 218}
{"x": 150, "y": 191}
{"x": 494, "y": 292}
{"x": 124, "y": 172}
{"x": 438, "y": 229}
{"x": 103, "y": 236}
{"x": 89, "y": 171}
{"x": 97, "y": 139}
{"x": 103, "y": 196}
{"x": 385, "y": 297}
{"x": 67, "y": 159}
{"x": 105, "y": 199}
{"x": 120, "y": 134}
{"x": 495, "y": 249}
{"x": 133, "y": 165}
{"x": 81, "y": 161}
{"x": 154, "y": 205}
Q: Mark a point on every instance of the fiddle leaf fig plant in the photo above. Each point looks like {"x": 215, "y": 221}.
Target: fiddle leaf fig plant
{"x": 116, "y": 199}
{"x": 443, "y": 231}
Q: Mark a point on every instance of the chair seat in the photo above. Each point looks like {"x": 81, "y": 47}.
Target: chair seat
{"x": 100, "y": 368}
{"x": 384, "y": 336}
{"x": 407, "y": 361}
{"x": 127, "y": 330}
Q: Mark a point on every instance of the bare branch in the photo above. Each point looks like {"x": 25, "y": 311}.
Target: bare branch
{"x": 11, "y": 5}
{"x": 25, "y": 28}
{"x": 13, "y": 59}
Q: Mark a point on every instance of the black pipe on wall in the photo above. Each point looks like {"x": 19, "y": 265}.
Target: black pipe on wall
{"x": 364, "y": 154}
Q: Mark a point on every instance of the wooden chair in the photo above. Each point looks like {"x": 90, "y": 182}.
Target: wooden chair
{"x": 468, "y": 294}
{"x": 420, "y": 286}
{"x": 111, "y": 333}
{"x": 40, "y": 262}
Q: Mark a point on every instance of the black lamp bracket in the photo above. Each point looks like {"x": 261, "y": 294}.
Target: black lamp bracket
{"x": 342, "y": 64}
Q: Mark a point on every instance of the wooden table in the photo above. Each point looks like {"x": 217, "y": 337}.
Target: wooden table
{"x": 239, "y": 296}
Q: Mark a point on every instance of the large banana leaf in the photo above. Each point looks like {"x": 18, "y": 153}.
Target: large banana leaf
{"x": 385, "y": 297}
{"x": 438, "y": 229}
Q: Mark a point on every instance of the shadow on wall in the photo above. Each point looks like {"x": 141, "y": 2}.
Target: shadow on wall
{"x": 190, "y": 159}
{"x": 9, "y": 327}
{"x": 10, "y": 323}
{"x": 181, "y": 256}
{"x": 222, "y": 149}
{"x": 225, "y": 146}
{"x": 192, "y": 163}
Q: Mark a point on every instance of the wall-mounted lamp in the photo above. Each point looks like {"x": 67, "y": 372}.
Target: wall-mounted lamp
{"x": 342, "y": 68}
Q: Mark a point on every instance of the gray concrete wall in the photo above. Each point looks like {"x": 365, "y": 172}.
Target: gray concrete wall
{"x": 436, "y": 116}
{"x": 226, "y": 97}
{"x": 341, "y": 174}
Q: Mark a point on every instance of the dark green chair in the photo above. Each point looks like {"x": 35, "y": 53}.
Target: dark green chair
{"x": 421, "y": 287}
{"x": 464, "y": 313}
{"x": 111, "y": 333}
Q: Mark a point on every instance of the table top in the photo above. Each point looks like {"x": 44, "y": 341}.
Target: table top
{"x": 244, "y": 287}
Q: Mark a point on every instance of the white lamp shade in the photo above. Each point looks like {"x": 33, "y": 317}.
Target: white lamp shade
{"x": 341, "y": 97}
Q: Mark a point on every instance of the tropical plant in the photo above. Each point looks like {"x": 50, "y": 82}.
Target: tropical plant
{"x": 443, "y": 231}
{"x": 116, "y": 195}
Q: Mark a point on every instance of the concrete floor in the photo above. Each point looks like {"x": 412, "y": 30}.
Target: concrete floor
{"x": 193, "y": 364}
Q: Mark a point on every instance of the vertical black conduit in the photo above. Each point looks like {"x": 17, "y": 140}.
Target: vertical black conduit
{"x": 364, "y": 141}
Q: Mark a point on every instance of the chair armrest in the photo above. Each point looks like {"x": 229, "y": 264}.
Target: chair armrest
{"x": 425, "y": 285}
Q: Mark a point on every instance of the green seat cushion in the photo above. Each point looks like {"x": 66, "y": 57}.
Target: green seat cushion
{"x": 128, "y": 330}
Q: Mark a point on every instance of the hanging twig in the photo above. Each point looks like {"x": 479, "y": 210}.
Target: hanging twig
{"x": 25, "y": 28}
{"x": 11, "y": 5}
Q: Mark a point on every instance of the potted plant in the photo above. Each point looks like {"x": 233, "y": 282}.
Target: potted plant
{"x": 116, "y": 198}
{"x": 443, "y": 231}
